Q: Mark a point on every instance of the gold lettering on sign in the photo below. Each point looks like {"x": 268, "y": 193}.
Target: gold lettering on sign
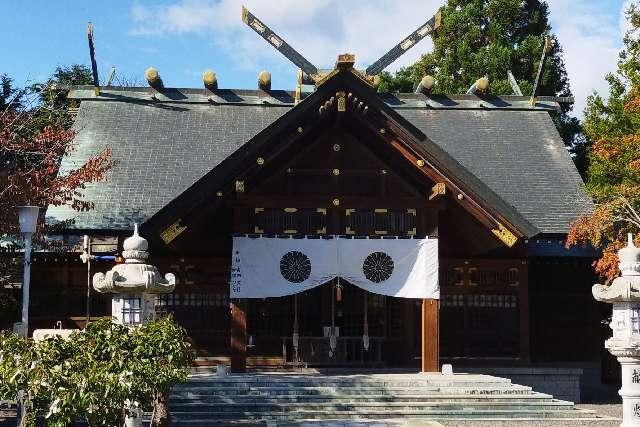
{"x": 507, "y": 237}
{"x": 173, "y": 231}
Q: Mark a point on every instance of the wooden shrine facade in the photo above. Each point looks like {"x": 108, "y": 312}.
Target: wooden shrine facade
{"x": 342, "y": 166}
{"x": 345, "y": 161}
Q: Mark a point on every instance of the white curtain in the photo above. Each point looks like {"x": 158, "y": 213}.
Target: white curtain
{"x": 271, "y": 267}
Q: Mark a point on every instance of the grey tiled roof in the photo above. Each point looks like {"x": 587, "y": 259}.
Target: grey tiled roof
{"x": 160, "y": 152}
{"x": 518, "y": 154}
{"x": 163, "y": 148}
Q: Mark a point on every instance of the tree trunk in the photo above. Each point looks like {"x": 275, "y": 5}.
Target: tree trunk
{"x": 161, "y": 415}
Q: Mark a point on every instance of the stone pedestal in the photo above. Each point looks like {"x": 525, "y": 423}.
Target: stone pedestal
{"x": 624, "y": 294}
{"x": 630, "y": 390}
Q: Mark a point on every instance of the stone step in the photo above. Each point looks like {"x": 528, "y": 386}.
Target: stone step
{"x": 345, "y": 383}
{"x": 350, "y": 391}
{"x": 296, "y": 407}
{"x": 433, "y": 414}
{"x": 293, "y": 397}
{"x": 178, "y": 400}
{"x": 380, "y": 380}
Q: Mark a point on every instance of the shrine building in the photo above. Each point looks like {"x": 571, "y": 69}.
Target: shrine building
{"x": 337, "y": 226}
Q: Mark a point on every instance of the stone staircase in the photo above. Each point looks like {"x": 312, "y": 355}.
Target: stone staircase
{"x": 287, "y": 397}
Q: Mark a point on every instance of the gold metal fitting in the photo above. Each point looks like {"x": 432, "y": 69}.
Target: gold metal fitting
{"x": 420, "y": 162}
{"x": 336, "y": 147}
{"x": 219, "y": 193}
{"x": 336, "y": 172}
{"x": 260, "y": 161}
{"x": 336, "y": 202}
{"x": 300, "y": 129}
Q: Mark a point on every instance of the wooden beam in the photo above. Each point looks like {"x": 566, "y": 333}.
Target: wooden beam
{"x": 238, "y": 336}
{"x": 430, "y": 336}
{"x": 507, "y": 235}
{"x": 439, "y": 189}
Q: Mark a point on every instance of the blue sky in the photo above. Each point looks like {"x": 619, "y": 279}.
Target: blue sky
{"x": 182, "y": 38}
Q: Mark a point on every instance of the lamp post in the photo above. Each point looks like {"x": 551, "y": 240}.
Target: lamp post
{"x": 28, "y": 218}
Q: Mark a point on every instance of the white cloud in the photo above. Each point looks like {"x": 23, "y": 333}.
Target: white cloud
{"x": 319, "y": 29}
{"x": 590, "y": 32}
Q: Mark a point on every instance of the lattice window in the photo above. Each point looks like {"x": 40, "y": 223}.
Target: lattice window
{"x": 453, "y": 276}
{"x": 164, "y": 302}
{"x": 131, "y": 311}
{"x": 393, "y": 222}
{"x": 290, "y": 221}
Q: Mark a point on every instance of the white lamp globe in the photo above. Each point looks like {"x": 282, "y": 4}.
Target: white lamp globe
{"x": 28, "y": 218}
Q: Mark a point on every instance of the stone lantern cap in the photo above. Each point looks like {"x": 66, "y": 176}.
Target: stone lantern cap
{"x": 625, "y": 288}
{"x": 134, "y": 276}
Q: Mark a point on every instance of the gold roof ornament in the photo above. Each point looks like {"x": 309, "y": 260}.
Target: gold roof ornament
{"x": 345, "y": 61}
{"x": 173, "y": 231}
{"x": 210, "y": 80}
{"x": 506, "y": 236}
{"x": 153, "y": 78}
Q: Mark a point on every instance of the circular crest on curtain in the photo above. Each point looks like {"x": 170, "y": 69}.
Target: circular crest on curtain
{"x": 295, "y": 267}
{"x": 377, "y": 267}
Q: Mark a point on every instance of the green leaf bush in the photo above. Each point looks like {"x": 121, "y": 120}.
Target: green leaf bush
{"x": 95, "y": 375}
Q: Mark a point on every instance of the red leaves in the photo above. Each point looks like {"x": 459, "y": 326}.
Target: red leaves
{"x": 607, "y": 228}
{"x": 30, "y": 156}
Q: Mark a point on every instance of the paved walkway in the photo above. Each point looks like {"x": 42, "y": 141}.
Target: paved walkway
{"x": 611, "y": 413}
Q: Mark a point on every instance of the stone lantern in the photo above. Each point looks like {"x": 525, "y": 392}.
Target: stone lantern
{"x": 624, "y": 294}
{"x": 134, "y": 284}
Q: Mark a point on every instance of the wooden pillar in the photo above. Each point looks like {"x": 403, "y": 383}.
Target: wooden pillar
{"x": 523, "y": 305}
{"x": 430, "y": 336}
{"x": 238, "y": 335}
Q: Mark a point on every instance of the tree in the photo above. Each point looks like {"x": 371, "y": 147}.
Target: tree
{"x": 10, "y": 97}
{"x": 164, "y": 356}
{"x": 489, "y": 37}
{"x": 33, "y": 140}
{"x": 54, "y": 91}
{"x": 35, "y": 133}
{"x": 614, "y": 166}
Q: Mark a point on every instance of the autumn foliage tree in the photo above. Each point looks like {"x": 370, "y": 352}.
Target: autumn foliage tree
{"x": 33, "y": 140}
{"x": 614, "y": 170}
{"x": 35, "y": 133}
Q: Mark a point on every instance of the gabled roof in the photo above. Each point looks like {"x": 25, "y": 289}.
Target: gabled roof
{"x": 508, "y": 153}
